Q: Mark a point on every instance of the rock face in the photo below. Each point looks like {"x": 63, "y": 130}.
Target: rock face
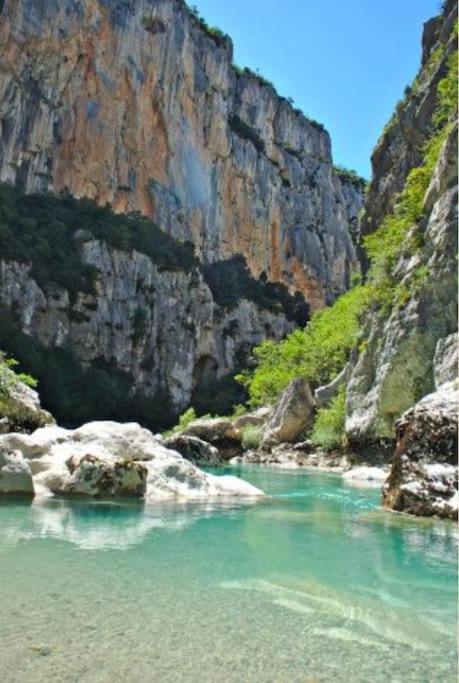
{"x": 324, "y": 395}
{"x": 162, "y": 327}
{"x": 212, "y": 154}
{"x": 106, "y": 459}
{"x": 396, "y": 365}
{"x": 446, "y": 360}
{"x": 15, "y": 474}
{"x": 423, "y": 479}
{"x": 401, "y": 146}
{"x": 292, "y": 415}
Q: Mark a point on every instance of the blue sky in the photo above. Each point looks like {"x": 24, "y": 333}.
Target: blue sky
{"x": 344, "y": 62}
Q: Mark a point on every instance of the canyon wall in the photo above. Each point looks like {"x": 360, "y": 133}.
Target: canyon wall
{"x": 136, "y": 103}
{"x": 408, "y": 351}
{"x": 162, "y": 328}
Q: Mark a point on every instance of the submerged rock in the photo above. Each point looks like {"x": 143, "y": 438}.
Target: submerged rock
{"x": 15, "y": 474}
{"x": 365, "y": 475}
{"x": 423, "y": 479}
{"x": 110, "y": 459}
{"x": 290, "y": 456}
{"x": 293, "y": 413}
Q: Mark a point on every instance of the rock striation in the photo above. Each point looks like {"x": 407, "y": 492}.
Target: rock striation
{"x": 137, "y": 104}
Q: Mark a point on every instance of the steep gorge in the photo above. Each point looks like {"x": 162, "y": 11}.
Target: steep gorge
{"x": 137, "y": 104}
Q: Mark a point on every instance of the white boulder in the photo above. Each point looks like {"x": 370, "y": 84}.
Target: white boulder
{"x": 109, "y": 458}
{"x": 15, "y": 474}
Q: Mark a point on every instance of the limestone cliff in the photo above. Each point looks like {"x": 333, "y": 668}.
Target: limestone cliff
{"x": 409, "y": 350}
{"x": 135, "y": 103}
{"x": 166, "y": 333}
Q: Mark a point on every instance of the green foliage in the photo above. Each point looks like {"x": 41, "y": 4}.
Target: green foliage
{"x": 350, "y": 175}
{"x": 45, "y": 230}
{"x": 251, "y": 437}
{"x": 212, "y": 31}
{"x": 328, "y": 431}
{"x": 385, "y": 245}
{"x": 317, "y": 352}
{"x": 447, "y": 92}
{"x": 41, "y": 229}
{"x": 230, "y": 281}
{"x": 238, "y": 410}
{"x": 20, "y": 417}
{"x": 321, "y": 350}
{"x": 9, "y": 377}
{"x": 185, "y": 419}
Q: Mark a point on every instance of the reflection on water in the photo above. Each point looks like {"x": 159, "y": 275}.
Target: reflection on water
{"x": 315, "y": 582}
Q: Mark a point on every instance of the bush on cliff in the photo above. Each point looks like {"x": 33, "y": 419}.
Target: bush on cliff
{"x": 328, "y": 431}
{"x": 317, "y": 352}
{"x": 41, "y": 228}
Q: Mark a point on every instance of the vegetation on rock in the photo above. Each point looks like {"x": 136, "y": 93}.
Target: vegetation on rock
{"x": 44, "y": 230}
{"x": 328, "y": 430}
{"x": 317, "y": 352}
{"x": 252, "y": 436}
{"x": 16, "y": 406}
{"x": 350, "y": 175}
{"x": 321, "y": 350}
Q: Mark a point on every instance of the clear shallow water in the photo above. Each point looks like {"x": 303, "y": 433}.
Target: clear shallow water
{"x": 313, "y": 584}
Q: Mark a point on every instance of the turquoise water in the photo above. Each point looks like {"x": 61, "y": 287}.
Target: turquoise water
{"x": 315, "y": 583}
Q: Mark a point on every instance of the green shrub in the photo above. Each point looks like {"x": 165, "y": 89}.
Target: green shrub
{"x": 385, "y": 245}
{"x": 40, "y": 229}
{"x": 350, "y": 175}
{"x": 317, "y": 352}
{"x": 251, "y": 437}
{"x": 20, "y": 417}
{"x": 328, "y": 431}
{"x": 185, "y": 419}
{"x": 231, "y": 280}
{"x": 238, "y": 410}
{"x": 9, "y": 378}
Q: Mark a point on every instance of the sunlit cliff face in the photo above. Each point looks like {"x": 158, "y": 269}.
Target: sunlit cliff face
{"x": 134, "y": 104}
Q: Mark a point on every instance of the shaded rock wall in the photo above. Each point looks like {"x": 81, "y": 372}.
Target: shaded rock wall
{"x": 161, "y": 327}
